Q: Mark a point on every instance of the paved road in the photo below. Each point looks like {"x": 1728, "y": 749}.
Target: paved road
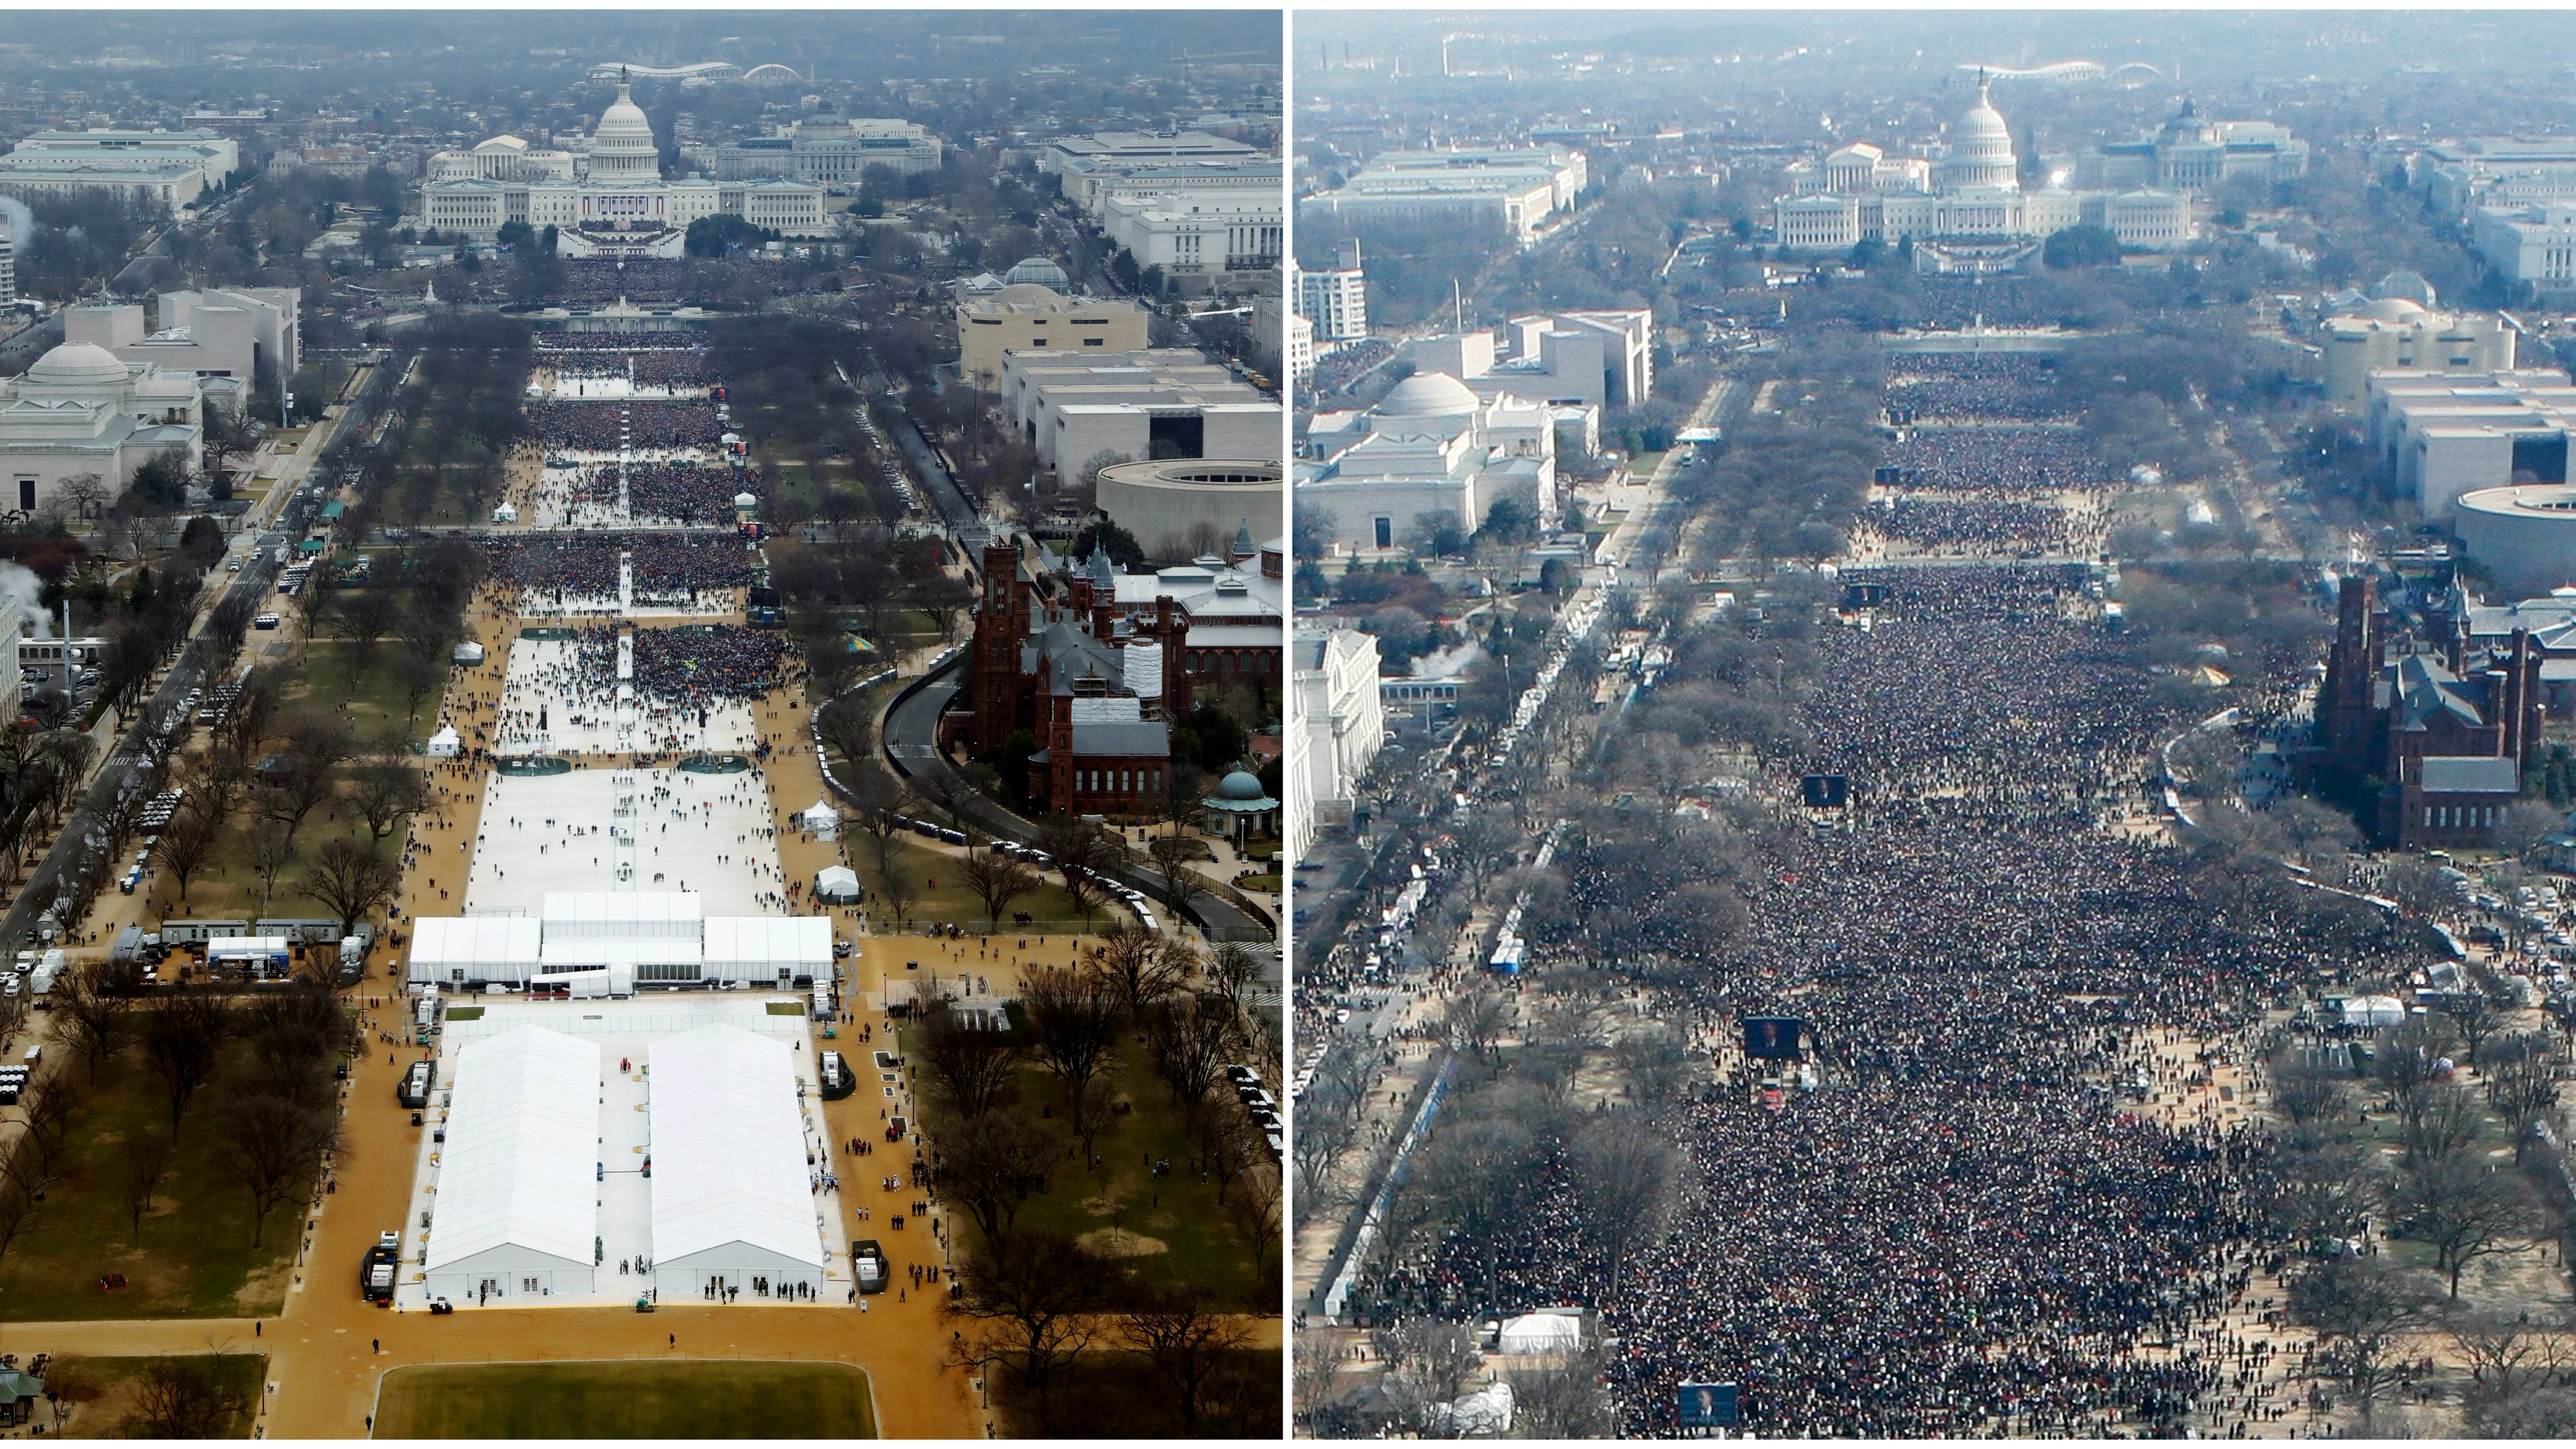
{"x": 910, "y": 734}
{"x": 945, "y": 495}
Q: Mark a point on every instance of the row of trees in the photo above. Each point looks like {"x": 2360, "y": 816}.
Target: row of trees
{"x": 278, "y": 1121}
{"x": 1036, "y": 1299}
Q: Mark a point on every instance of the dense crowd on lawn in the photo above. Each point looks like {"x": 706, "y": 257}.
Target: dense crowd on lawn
{"x": 1965, "y": 1230}
{"x": 1998, "y": 461}
{"x": 604, "y": 427}
{"x": 1980, "y": 387}
{"x": 577, "y": 574}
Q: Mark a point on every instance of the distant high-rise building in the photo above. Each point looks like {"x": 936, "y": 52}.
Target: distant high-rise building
{"x": 1335, "y": 298}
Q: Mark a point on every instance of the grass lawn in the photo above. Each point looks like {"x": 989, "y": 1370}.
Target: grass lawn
{"x": 369, "y": 704}
{"x": 949, "y": 900}
{"x": 652, "y": 1400}
{"x": 121, "y": 1383}
{"x": 1187, "y": 1236}
{"x": 196, "y": 1258}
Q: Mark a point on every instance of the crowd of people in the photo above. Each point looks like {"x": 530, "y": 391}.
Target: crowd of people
{"x": 606, "y": 427}
{"x": 2001, "y": 461}
{"x": 695, "y": 666}
{"x": 678, "y": 491}
{"x": 2018, "y": 387}
{"x": 559, "y": 575}
{"x": 1962, "y": 1223}
{"x": 1980, "y": 525}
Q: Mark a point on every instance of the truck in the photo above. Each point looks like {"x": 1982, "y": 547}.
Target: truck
{"x": 838, "y": 1081}
{"x": 868, "y": 1265}
{"x": 260, "y": 958}
{"x": 428, "y": 1009}
{"x": 414, "y": 1091}
{"x": 376, "y": 1270}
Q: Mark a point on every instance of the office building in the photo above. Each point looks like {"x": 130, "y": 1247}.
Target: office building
{"x": 1140, "y": 406}
{"x": 1334, "y": 299}
{"x": 1027, "y": 317}
{"x": 1522, "y": 190}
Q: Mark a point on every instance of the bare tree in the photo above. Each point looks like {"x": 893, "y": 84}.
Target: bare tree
{"x": 183, "y": 1035}
{"x": 273, "y": 1147}
{"x": 187, "y": 843}
{"x": 1565, "y": 1400}
{"x": 1079, "y": 855}
{"x": 2523, "y": 1080}
{"x": 147, "y": 1161}
{"x": 184, "y": 1398}
{"x": 1186, "y": 1338}
{"x": 2467, "y": 1210}
{"x": 1073, "y": 1021}
{"x": 2476, "y": 1015}
{"x": 1626, "y": 1170}
{"x": 389, "y": 792}
{"x": 972, "y": 1069}
{"x": 1231, "y": 969}
{"x": 992, "y": 1166}
{"x": 1172, "y": 852}
{"x": 2362, "y": 1310}
{"x": 1142, "y": 966}
{"x": 272, "y": 847}
{"x": 895, "y": 888}
{"x": 1033, "y": 1300}
{"x": 17, "y": 1212}
{"x": 352, "y": 878}
{"x": 91, "y": 1014}
{"x": 2436, "y": 1121}
{"x": 997, "y": 880}
{"x": 1189, "y": 1037}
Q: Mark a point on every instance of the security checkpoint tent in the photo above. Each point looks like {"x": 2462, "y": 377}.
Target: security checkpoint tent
{"x": 835, "y": 883}
{"x": 776, "y": 951}
{"x": 2373, "y": 1012}
{"x": 731, "y": 1197}
{"x": 444, "y": 745}
{"x": 823, "y": 820}
{"x": 517, "y": 1213}
{"x": 458, "y": 950}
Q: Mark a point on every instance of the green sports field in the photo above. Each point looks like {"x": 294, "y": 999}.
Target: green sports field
{"x": 688, "y": 1400}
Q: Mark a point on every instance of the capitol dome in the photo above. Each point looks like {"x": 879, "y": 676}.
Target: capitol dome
{"x": 622, "y": 149}
{"x": 1428, "y": 395}
{"x": 1981, "y": 149}
{"x": 76, "y": 363}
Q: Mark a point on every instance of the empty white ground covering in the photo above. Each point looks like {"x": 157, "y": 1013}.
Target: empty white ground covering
{"x": 550, "y": 833}
{"x": 518, "y": 1207}
{"x": 732, "y": 1198}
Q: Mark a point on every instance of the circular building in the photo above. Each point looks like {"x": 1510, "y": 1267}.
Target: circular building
{"x": 2525, "y": 535}
{"x": 1246, "y": 808}
{"x": 1164, "y": 503}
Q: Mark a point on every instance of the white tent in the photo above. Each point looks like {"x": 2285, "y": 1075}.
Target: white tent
{"x": 506, "y": 513}
{"x": 778, "y": 951}
{"x": 836, "y": 883}
{"x": 445, "y": 745}
{"x": 823, "y": 820}
{"x": 517, "y": 1213}
{"x": 1484, "y": 1414}
{"x": 1553, "y": 1331}
{"x": 453, "y": 950}
{"x": 2373, "y": 1012}
{"x": 731, "y": 1196}
{"x": 468, "y": 652}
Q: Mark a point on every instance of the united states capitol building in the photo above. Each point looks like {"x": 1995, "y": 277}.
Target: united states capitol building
{"x": 622, "y": 207}
{"x": 1964, "y": 208}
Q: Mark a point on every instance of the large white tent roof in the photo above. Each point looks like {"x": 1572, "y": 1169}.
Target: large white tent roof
{"x": 576, "y": 914}
{"x": 728, "y": 1147}
{"x": 523, "y": 1124}
{"x": 475, "y": 942}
